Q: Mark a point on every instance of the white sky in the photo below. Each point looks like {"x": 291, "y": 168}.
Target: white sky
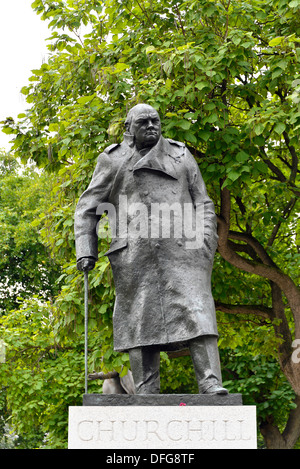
{"x": 22, "y": 49}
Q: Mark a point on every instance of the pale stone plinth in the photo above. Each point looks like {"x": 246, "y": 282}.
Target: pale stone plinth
{"x": 162, "y": 427}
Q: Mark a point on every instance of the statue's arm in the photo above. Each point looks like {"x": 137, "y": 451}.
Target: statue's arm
{"x": 86, "y": 217}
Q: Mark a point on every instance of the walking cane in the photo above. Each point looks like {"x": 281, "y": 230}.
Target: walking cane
{"x": 86, "y": 319}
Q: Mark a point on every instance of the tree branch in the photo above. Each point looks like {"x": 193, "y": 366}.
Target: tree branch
{"x": 268, "y": 270}
{"x": 243, "y": 248}
{"x": 255, "y": 245}
{"x": 227, "y": 20}
{"x": 180, "y": 20}
{"x": 257, "y": 310}
{"x": 292, "y": 430}
{"x": 280, "y": 176}
{"x": 287, "y": 440}
{"x": 278, "y": 173}
{"x": 293, "y": 153}
{"x": 101, "y": 375}
{"x": 281, "y": 329}
{"x": 286, "y": 212}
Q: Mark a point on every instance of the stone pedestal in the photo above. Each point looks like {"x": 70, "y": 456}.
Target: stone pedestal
{"x": 162, "y": 399}
{"x": 163, "y": 421}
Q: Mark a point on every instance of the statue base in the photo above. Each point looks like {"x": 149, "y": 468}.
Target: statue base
{"x": 162, "y": 399}
{"x": 162, "y": 421}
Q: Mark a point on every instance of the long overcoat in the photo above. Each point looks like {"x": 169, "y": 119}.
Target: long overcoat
{"x": 162, "y": 279}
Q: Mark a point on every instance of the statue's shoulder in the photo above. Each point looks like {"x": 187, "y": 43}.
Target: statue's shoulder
{"x": 112, "y": 148}
{"x": 176, "y": 150}
{"x": 107, "y": 156}
{"x": 175, "y": 143}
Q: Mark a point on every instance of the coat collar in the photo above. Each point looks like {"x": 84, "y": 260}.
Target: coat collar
{"x": 158, "y": 159}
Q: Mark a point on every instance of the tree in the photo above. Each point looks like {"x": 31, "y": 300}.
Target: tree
{"x": 27, "y": 270}
{"x": 26, "y": 264}
{"x": 40, "y": 378}
{"x": 225, "y": 78}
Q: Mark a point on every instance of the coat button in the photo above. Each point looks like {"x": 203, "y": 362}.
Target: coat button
{"x": 180, "y": 243}
{"x": 174, "y": 191}
{"x": 157, "y": 245}
{"x": 146, "y": 192}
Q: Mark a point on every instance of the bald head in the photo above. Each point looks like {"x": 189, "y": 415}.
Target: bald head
{"x": 136, "y": 110}
{"x": 143, "y": 123}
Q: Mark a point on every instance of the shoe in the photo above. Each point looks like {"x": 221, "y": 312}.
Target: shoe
{"x": 216, "y": 389}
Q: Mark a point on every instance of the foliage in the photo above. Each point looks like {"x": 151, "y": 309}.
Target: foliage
{"x": 41, "y": 378}
{"x": 224, "y": 76}
{"x": 26, "y": 268}
{"x": 260, "y": 381}
{"x": 178, "y": 376}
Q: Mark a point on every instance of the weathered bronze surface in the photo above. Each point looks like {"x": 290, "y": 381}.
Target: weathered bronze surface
{"x": 164, "y": 239}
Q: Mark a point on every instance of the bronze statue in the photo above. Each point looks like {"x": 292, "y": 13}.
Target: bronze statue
{"x": 114, "y": 383}
{"x": 161, "y": 264}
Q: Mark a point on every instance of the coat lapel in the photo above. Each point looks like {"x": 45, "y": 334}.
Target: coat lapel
{"x": 158, "y": 159}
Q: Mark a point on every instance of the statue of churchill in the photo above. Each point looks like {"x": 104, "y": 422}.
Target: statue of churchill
{"x": 162, "y": 282}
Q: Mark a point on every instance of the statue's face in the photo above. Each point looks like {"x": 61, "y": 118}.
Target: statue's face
{"x": 146, "y": 128}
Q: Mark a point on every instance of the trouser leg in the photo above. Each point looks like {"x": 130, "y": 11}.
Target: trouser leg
{"x": 205, "y": 355}
{"x": 144, "y": 363}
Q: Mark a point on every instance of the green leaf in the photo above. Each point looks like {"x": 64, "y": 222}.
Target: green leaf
{"x": 85, "y": 99}
{"x": 209, "y": 106}
{"x": 277, "y": 72}
{"x": 279, "y": 128}
{"x": 212, "y": 118}
{"x": 233, "y": 175}
{"x": 259, "y": 128}
{"x": 260, "y": 141}
{"x": 242, "y": 156}
{"x": 282, "y": 64}
{"x": 190, "y": 137}
{"x": 169, "y": 83}
{"x": 120, "y": 66}
{"x": 184, "y": 124}
{"x": 261, "y": 166}
{"x": 202, "y": 84}
{"x": 7, "y": 130}
{"x": 236, "y": 40}
{"x": 276, "y": 41}
{"x": 204, "y": 135}
{"x": 150, "y": 49}
{"x": 294, "y": 4}
{"x": 53, "y": 127}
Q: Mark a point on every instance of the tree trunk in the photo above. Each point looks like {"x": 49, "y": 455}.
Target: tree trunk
{"x": 288, "y": 438}
{"x": 280, "y": 284}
